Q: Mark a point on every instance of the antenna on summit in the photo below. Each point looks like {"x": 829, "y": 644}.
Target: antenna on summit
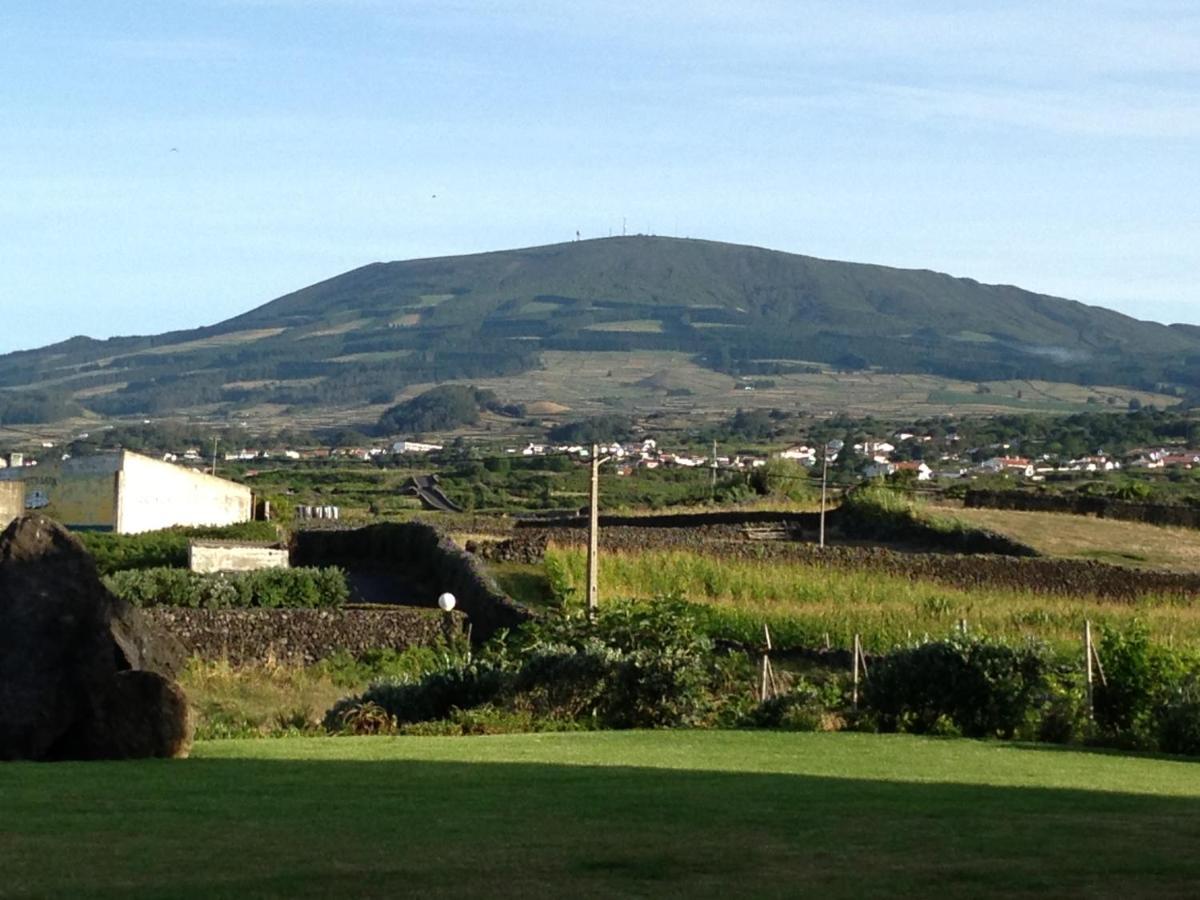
{"x": 622, "y": 226}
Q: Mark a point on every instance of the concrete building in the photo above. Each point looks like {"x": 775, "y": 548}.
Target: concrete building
{"x": 235, "y": 556}
{"x": 12, "y": 501}
{"x": 130, "y": 493}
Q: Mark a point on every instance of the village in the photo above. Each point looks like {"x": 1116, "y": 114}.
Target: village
{"x": 920, "y": 456}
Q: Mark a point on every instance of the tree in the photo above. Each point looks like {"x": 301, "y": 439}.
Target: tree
{"x": 443, "y": 408}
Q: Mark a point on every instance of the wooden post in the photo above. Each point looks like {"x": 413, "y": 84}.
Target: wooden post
{"x": 962, "y": 626}
{"x": 824, "y": 480}
{"x": 767, "y": 687}
{"x": 1087, "y": 665}
{"x": 593, "y": 558}
{"x": 857, "y": 653}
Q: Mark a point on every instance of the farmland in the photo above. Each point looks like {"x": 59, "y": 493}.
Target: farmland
{"x": 807, "y": 604}
{"x": 602, "y": 814}
{"x": 1087, "y": 537}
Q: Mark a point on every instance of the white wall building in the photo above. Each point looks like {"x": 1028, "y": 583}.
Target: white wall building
{"x": 130, "y": 493}
{"x": 414, "y": 447}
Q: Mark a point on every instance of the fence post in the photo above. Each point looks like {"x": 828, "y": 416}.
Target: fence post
{"x": 857, "y": 653}
{"x": 1087, "y": 653}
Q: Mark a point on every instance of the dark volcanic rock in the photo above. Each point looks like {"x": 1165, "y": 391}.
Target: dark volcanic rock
{"x": 65, "y": 688}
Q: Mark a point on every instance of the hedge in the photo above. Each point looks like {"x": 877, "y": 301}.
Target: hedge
{"x": 166, "y": 547}
{"x": 266, "y": 588}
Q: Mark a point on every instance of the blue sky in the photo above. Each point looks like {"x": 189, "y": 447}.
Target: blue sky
{"x": 1054, "y": 146}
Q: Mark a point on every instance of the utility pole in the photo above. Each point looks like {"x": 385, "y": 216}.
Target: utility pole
{"x": 593, "y": 558}
{"x": 831, "y": 447}
{"x": 824, "y": 481}
{"x": 714, "y": 470}
{"x": 214, "y": 465}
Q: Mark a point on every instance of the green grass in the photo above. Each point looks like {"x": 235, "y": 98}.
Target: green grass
{"x": 604, "y": 814}
{"x": 803, "y": 603}
{"x": 278, "y": 699}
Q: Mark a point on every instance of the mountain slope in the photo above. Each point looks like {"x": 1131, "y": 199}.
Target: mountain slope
{"x": 368, "y": 332}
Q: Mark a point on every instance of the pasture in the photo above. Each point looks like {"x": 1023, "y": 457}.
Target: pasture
{"x": 1087, "y": 537}
{"x": 673, "y": 813}
{"x": 805, "y": 602}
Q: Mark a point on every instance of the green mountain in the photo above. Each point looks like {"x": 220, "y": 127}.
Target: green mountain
{"x": 361, "y": 336}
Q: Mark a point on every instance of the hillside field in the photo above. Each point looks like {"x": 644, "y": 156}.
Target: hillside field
{"x": 601, "y": 814}
{"x": 1087, "y": 537}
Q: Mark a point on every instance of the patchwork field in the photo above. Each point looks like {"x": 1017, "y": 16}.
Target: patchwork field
{"x": 596, "y": 381}
{"x": 663, "y": 814}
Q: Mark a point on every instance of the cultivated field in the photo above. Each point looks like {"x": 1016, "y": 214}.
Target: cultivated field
{"x": 674, "y": 814}
{"x": 1087, "y": 537}
{"x": 642, "y": 380}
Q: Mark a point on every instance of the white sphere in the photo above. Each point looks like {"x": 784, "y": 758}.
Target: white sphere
{"x": 447, "y": 601}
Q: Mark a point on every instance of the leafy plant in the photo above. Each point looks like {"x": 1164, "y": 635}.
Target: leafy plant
{"x": 1139, "y": 678}
{"x": 983, "y": 687}
{"x": 304, "y": 588}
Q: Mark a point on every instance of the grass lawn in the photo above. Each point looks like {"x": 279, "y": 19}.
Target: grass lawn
{"x": 631, "y": 814}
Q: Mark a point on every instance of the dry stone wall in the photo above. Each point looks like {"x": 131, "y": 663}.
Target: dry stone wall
{"x": 733, "y": 525}
{"x": 421, "y": 552}
{"x": 300, "y": 635}
{"x": 1082, "y": 505}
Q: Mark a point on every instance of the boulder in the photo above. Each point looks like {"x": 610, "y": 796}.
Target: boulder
{"x": 82, "y": 676}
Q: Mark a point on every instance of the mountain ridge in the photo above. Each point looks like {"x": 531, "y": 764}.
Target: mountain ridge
{"x": 736, "y": 309}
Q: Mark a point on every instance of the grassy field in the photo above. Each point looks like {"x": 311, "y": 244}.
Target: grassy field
{"x": 802, "y": 603}
{"x": 604, "y": 814}
{"x": 1087, "y": 537}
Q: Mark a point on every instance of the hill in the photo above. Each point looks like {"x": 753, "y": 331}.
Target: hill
{"x": 361, "y": 337}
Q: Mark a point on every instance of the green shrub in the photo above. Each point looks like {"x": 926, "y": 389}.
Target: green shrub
{"x": 1139, "y": 679}
{"x": 165, "y": 548}
{"x": 433, "y": 696}
{"x": 350, "y": 670}
{"x": 268, "y": 588}
{"x": 985, "y": 689}
{"x": 805, "y": 707}
{"x": 1064, "y": 717}
{"x": 1178, "y": 720}
{"x": 636, "y": 666}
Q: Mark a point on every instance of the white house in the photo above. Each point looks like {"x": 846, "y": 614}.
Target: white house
{"x": 414, "y": 447}
{"x": 1015, "y": 465}
{"x": 800, "y": 453}
{"x": 883, "y": 469}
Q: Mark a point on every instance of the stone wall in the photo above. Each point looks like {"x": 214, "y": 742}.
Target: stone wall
{"x": 300, "y": 635}
{"x": 421, "y": 552}
{"x": 844, "y": 523}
